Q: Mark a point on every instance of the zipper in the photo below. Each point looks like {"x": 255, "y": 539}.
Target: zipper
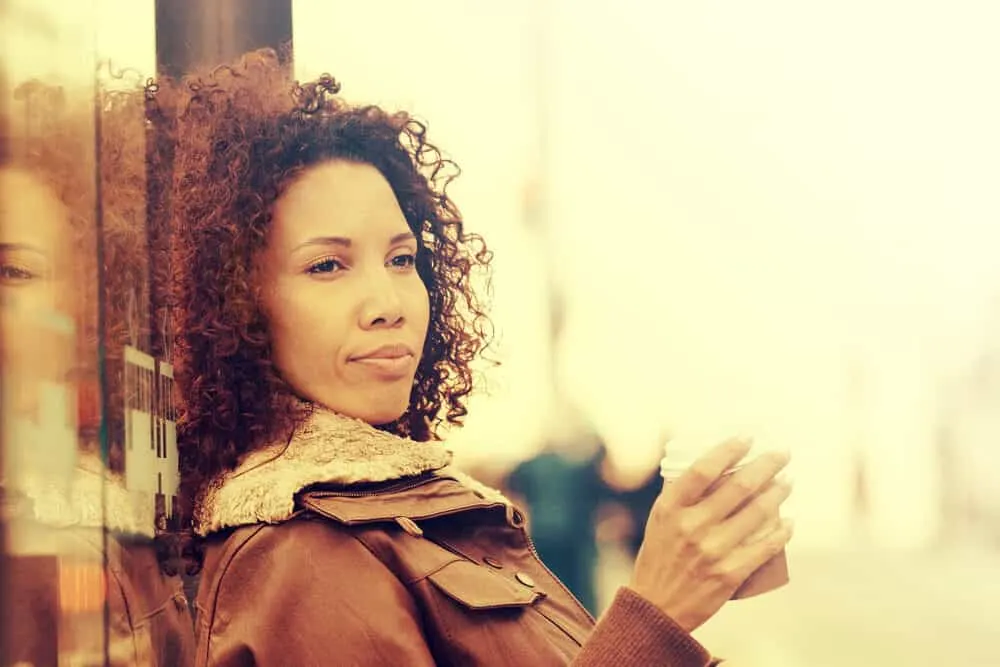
{"x": 402, "y": 486}
{"x": 392, "y": 488}
{"x": 534, "y": 552}
{"x": 422, "y": 517}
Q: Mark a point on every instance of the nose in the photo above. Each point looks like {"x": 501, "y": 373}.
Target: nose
{"x": 382, "y": 305}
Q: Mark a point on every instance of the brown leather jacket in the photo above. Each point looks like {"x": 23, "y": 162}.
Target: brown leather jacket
{"x": 412, "y": 570}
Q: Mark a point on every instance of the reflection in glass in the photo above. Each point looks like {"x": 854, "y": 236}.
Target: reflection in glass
{"x": 87, "y": 478}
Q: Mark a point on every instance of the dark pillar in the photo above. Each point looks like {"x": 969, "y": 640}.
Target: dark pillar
{"x": 196, "y": 33}
{"x": 192, "y": 34}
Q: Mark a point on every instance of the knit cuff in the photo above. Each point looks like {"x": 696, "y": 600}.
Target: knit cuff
{"x": 634, "y": 632}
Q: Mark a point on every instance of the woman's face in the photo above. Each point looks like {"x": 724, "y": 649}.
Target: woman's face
{"x": 347, "y": 312}
{"x": 36, "y": 291}
{"x": 34, "y": 240}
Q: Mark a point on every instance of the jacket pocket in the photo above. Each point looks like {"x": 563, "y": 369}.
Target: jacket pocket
{"x": 476, "y": 588}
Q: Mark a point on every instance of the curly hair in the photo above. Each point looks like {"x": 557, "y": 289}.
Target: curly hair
{"x": 244, "y": 133}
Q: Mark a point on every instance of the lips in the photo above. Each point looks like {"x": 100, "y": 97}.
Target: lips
{"x": 390, "y": 362}
{"x": 395, "y": 351}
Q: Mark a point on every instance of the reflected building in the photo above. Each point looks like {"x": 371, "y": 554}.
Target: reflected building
{"x": 151, "y": 465}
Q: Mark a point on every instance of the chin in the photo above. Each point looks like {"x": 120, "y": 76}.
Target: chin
{"x": 376, "y": 412}
{"x": 382, "y": 417}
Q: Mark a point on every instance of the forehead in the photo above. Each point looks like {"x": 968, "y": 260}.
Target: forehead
{"x": 337, "y": 198}
{"x": 30, "y": 212}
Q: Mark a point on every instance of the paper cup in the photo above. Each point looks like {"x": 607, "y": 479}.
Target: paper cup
{"x": 768, "y": 577}
{"x": 680, "y": 455}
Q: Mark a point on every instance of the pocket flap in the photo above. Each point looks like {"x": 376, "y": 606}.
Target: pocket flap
{"x": 477, "y": 588}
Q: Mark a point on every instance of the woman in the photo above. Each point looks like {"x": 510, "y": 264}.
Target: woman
{"x": 78, "y": 538}
{"x": 325, "y": 329}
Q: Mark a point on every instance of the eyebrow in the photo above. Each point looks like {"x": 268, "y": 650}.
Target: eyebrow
{"x": 12, "y": 247}
{"x": 346, "y": 242}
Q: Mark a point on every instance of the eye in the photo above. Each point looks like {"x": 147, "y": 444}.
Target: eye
{"x": 12, "y": 273}
{"x": 327, "y": 265}
{"x": 404, "y": 261}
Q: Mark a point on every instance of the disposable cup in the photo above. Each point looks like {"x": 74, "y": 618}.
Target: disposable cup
{"x": 681, "y": 452}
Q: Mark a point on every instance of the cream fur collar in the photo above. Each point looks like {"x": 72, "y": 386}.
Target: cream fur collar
{"x": 328, "y": 448}
{"x": 85, "y": 504}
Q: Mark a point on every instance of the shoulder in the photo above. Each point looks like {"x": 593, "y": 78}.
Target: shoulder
{"x": 295, "y": 547}
{"x": 286, "y": 580}
{"x": 316, "y": 558}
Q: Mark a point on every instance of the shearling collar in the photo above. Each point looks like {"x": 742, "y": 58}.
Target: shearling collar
{"x": 94, "y": 498}
{"x": 328, "y": 448}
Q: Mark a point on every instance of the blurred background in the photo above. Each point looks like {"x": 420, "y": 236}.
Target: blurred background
{"x": 776, "y": 217}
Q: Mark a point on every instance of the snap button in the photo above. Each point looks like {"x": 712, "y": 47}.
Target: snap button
{"x": 493, "y": 562}
{"x": 525, "y": 579}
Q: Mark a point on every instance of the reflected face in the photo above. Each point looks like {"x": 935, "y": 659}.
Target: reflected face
{"x": 347, "y": 311}
{"x": 35, "y": 248}
{"x": 36, "y": 292}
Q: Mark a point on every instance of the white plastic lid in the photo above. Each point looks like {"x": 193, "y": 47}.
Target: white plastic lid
{"x": 683, "y": 449}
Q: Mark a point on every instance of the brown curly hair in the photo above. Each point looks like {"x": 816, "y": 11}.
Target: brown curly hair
{"x": 243, "y": 134}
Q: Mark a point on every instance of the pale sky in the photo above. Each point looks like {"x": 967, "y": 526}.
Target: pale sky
{"x": 747, "y": 201}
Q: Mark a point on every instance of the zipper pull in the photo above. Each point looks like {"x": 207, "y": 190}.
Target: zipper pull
{"x": 409, "y": 526}
{"x": 514, "y": 517}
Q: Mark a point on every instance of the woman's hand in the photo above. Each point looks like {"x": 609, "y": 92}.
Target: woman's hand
{"x": 700, "y": 543}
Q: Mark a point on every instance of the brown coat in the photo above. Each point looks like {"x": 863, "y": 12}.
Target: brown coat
{"x": 420, "y": 569}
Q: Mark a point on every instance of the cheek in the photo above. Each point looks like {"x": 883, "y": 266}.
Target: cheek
{"x": 420, "y": 307}
{"x": 290, "y": 328}
{"x": 42, "y": 296}
{"x": 305, "y": 330}
{"x": 280, "y": 315}
{"x": 36, "y": 344}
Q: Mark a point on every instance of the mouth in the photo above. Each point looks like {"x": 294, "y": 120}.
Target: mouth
{"x": 388, "y": 361}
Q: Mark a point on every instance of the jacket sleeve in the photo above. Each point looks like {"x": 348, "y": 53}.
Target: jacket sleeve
{"x": 634, "y": 632}
{"x": 304, "y": 594}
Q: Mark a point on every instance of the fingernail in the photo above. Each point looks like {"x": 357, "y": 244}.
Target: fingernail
{"x": 789, "y": 525}
{"x": 785, "y": 479}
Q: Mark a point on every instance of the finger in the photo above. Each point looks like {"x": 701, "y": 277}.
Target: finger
{"x": 741, "y": 486}
{"x": 745, "y": 560}
{"x": 692, "y": 485}
{"x": 778, "y": 537}
{"x": 741, "y": 527}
